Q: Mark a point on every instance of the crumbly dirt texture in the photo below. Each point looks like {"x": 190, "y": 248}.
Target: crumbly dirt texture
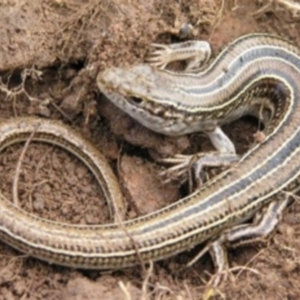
{"x": 50, "y": 54}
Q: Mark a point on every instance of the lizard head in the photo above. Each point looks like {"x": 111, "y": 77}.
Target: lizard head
{"x": 143, "y": 92}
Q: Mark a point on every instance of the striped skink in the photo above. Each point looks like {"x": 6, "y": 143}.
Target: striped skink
{"x": 255, "y": 73}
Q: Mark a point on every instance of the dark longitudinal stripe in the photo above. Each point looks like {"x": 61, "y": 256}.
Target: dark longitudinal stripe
{"x": 251, "y": 56}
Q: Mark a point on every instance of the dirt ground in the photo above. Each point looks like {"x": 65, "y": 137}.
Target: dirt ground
{"x": 50, "y": 54}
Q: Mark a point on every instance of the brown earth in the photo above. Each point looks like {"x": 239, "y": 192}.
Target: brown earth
{"x": 50, "y": 53}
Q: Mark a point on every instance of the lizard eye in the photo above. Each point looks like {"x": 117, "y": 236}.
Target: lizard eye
{"x": 135, "y": 100}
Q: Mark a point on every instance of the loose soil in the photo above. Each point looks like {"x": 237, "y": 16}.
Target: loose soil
{"x": 50, "y": 54}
